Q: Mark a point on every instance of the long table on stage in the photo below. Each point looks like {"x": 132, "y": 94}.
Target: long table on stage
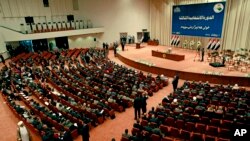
{"x": 175, "y": 57}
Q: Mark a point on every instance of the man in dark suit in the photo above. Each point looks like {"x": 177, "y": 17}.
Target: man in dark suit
{"x": 2, "y": 59}
{"x": 137, "y": 107}
{"x": 123, "y": 45}
{"x": 202, "y": 54}
{"x": 84, "y": 131}
{"x": 175, "y": 82}
{"x": 144, "y": 103}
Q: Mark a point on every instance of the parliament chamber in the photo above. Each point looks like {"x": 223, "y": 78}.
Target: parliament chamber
{"x": 144, "y": 70}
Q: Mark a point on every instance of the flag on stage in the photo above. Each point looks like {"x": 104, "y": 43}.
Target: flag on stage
{"x": 209, "y": 43}
{"x": 175, "y": 39}
{"x": 172, "y": 40}
{"x": 217, "y": 46}
{"x": 214, "y": 44}
{"x": 178, "y": 41}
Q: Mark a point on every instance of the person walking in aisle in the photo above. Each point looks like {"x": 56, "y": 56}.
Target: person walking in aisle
{"x": 137, "y": 107}
{"x": 175, "y": 82}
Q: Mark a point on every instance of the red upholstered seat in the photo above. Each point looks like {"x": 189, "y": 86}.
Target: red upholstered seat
{"x": 155, "y": 137}
{"x": 164, "y": 129}
{"x": 185, "y": 135}
{"x": 167, "y": 139}
{"x": 190, "y": 126}
{"x": 212, "y": 130}
{"x": 215, "y": 122}
{"x": 144, "y": 123}
{"x": 197, "y": 137}
{"x": 224, "y": 133}
{"x": 209, "y": 138}
{"x": 201, "y": 128}
{"x": 170, "y": 121}
{"x": 180, "y": 124}
{"x": 174, "y": 132}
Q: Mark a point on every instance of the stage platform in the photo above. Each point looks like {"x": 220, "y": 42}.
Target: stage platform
{"x": 187, "y": 69}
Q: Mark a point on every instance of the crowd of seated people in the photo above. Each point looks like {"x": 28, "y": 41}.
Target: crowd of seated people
{"x": 64, "y": 92}
{"x": 196, "y": 111}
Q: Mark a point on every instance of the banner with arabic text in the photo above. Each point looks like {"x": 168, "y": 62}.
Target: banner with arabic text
{"x": 204, "y": 19}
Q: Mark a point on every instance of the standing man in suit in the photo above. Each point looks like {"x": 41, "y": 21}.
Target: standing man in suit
{"x": 84, "y": 131}
{"x": 144, "y": 103}
{"x": 115, "y": 47}
{"x": 175, "y": 82}
{"x": 123, "y": 45}
{"x": 137, "y": 107}
{"x": 2, "y": 59}
{"x": 202, "y": 54}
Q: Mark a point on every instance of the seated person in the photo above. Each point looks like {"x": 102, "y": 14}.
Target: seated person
{"x": 125, "y": 134}
{"x": 175, "y": 102}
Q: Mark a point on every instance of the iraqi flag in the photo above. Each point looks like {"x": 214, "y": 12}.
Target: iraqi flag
{"x": 217, "y": 46}
{"x": 214, "y": 44}
{"x": 209, "y": 43}
{"x": 177, "y": 41}
{"x": 172, "y": 40}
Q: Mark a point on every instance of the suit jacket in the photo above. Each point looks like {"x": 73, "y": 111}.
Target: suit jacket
{"x": 137, "y": 102}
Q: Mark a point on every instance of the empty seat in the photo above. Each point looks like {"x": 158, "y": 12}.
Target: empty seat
{"x": 215, "y": 122}
{"x": 167, "y": 139}
{"x": 222, "y": 139}
{"x": 190, "y": 126}
{"x": 224, "y": 133}
{"x": 164, "y": 129}
{"x": 212, "y": 130}
{"x": 205, "y": 120}
{"x": 169, "y": 121}
{"x": 174, "y": 132}
{"x": 227, "y": 124}
{"x": 155, "y": 137}
{"x": 180, "y": 124}
{"x": 197, "y": 137}
{"x": 185, "y": 135}
{"x": 201, "y": 128}
{"x": 144, "y": 123}
{"x": 209, "y": 138}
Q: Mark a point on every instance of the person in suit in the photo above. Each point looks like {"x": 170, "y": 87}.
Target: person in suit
{"x": 175, "y": 82}
{"x": 202, "y": 53}
{"x": 144, "y": 103}
{"x": 2, "y": 59}
{"x": 137, "y": 107}
{"x": 115, "y": 47}
{"x": 84, "y": 131}
{"x": 123, "y": 45}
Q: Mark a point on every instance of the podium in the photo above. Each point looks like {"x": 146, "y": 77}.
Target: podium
{"x": 138, "y": 45}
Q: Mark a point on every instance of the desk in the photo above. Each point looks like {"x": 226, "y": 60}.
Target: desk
{"x": 174, "y": 57}
{"x": 153, "y": 43}
{"x": 138, "y": 45}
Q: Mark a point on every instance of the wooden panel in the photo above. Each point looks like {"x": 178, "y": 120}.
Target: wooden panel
{"x": 21, "y": 8}
{"x": 29, "y": 7}
{"x": 174, "y": 57}
{"x": 75, "y": 5}
{"x": 215, "y": 79}
{"x": 6, "y": 8}
{"x": 14, "y": 8}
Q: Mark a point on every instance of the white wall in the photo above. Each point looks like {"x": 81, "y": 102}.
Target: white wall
{"x": 85, "y": 41}
{"x": 12, "y": 12}
{"x": 116, "y": 16}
